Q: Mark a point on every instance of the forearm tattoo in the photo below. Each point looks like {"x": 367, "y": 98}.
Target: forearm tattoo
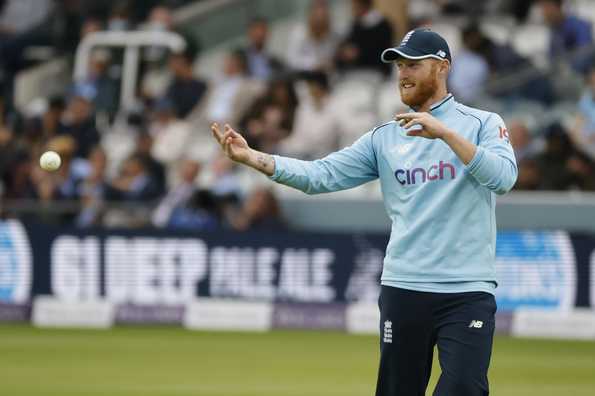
{"x": 265, "y": 163}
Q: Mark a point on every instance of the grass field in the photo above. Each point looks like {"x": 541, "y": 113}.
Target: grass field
{"x": 169, "y": 361}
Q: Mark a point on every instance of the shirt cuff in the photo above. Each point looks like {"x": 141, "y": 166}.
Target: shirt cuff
{"x": 474, "y": 163}
{"x": 277, "y": 174}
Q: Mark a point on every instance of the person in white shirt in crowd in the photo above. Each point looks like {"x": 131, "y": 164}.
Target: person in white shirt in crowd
{"x": 312, "y": 46}
{"x": 233, "y": 93}
{"x": 316, "y": 131}
{"x": 171, "y": 135}
{"x": 179, "y": 195}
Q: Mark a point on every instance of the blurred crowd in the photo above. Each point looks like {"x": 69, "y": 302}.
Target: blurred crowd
{"x": 305, "y": 103}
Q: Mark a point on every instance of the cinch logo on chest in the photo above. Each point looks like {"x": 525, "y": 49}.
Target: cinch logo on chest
{"x": 420, "y": 175}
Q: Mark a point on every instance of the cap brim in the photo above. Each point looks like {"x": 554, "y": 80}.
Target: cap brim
{"x": 392, "y": 54}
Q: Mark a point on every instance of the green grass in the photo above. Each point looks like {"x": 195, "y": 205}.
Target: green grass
{"x": 168, "y": 361}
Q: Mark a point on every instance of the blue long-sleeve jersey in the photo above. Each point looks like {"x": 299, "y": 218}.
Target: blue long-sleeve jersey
{"x": 442, "y": 211}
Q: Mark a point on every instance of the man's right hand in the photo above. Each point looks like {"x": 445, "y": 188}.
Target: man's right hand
{"x": 236, "y": 148}
{"x": 233, "y": 144}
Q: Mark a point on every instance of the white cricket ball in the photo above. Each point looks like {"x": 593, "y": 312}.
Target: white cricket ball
{"x": 50, "y": 161}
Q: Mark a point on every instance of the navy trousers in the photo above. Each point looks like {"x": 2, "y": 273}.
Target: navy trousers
{"x": 461, "y": 325}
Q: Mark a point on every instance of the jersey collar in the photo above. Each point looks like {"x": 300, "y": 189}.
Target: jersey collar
{"x": 442, "y": 106}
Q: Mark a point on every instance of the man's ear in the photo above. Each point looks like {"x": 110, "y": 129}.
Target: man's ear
{"x": 445, "y": 67}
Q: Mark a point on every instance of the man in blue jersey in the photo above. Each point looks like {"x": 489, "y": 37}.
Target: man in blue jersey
{"x": 440, "y": 166}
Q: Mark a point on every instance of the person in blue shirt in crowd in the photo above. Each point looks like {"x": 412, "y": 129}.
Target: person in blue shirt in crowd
{"x": 571, "y": 38}
{"x": 440, "y": 167}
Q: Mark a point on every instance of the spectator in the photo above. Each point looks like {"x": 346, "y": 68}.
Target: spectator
{"x": 280, "y": 93}
{"x": 160, "y": 19}
{"x": 265, "y": 129}
{"x": 78, "y": 120}
{"x": 171, "y": 135}
{"x": 92, "y": 189}
{"x": 524, "y": 144}
{"x": 224, "y": 182}
{"x": 73, "y": 169}
{"x": 502, "y": 59}
{"x": 560, "y": 167}
{"x": 119, "y": 18}
{"x": 51, "y": 118}
{"x": 185, "y": 91}
{"x": 45, "y": 124}
{"x": 180, "y": 195}
{"x": 470, "y": 70}
{"x": 582, "y": 171}
{"x": 316, "y": 132}
{"x": 89, "y": 26}
{"x": 312, "y": 47}
{"x": 199, "y": 215}
{"x": 553, "y": 163}
{"x": 234, "y": 92}
{"x": 144, "y": 147}
{"x": 583, "y": 132}
{"x": 7, "y": 149}
{"x": 155, "y": 77}
{"x": 15, "y": 166}
{"x": 106, "y": 88}
{"x": 529, "y": 175}
{"x": 134, "y": 184}
{"x": 571, "y": 37}
{"x": 260, "y": 212}
{"x": 271, "y": 117}
{"x": 261, "y": 64}
{"x": 370, "y": 34}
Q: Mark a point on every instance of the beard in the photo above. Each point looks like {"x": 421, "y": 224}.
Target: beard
{"x": 422, "y": 92}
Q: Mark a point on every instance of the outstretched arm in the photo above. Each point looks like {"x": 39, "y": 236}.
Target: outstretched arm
{"x": 341, "y": 170}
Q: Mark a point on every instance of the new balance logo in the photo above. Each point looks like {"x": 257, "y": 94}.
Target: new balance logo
{"x": 477, "y": 324}
{"x": 388, "y": 332}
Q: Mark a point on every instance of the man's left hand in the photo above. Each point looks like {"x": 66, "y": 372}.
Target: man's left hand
{"x": 431, "y": 128}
